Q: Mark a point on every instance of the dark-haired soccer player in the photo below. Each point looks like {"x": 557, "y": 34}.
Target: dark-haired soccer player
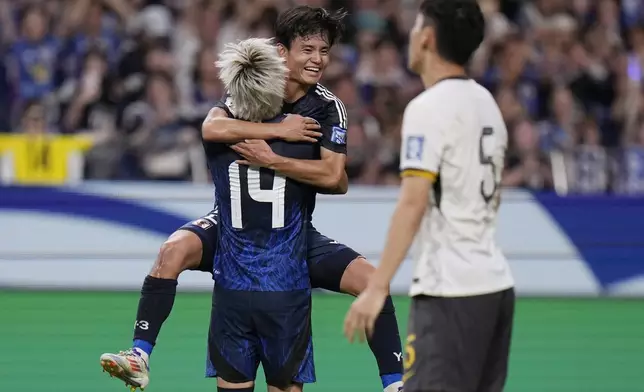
{"x": 305, "y": 36}
{"x": 454, "y": 141}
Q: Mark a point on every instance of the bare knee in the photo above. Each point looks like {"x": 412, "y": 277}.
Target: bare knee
{"x": 356, "y": 276}
{"x": 221, "y": 383}
{"x": 181, "y": 251}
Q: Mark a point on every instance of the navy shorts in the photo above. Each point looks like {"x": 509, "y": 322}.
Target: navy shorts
{"x": 327, "y": 258}
{"x": 251, "y": 327}
{"x": 206, "y": 229}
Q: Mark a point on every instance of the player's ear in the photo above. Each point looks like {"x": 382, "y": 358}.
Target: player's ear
{"x": 428, "y": 38}
{"x": 281, "y": 49}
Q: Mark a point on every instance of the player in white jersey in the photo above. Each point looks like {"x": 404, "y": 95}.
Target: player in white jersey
{"x": 454, "y": 142}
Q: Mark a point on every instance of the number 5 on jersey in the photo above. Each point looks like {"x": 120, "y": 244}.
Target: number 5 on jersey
{"x": 489, "y": 186}
{"x": 275, "y": 196}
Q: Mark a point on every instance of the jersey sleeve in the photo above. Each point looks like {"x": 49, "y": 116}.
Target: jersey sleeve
{"x": 423, "y": 142}
{"x": 334, "y": 129}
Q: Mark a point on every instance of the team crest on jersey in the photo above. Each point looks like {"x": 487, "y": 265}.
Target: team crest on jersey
{"x": 203, "y": 223}
{"x": 414, "y": 147}
{"x": 339, "y": 135}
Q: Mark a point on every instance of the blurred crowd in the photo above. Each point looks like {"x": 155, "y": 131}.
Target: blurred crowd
{"x": 138, "y": 78}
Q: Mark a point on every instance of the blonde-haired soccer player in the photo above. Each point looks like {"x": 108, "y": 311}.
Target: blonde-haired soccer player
{"x": 254, "y": 74}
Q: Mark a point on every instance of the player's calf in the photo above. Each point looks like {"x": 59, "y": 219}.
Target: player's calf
{"x": 180, "y": 252}
{"x": 385, "y": 341}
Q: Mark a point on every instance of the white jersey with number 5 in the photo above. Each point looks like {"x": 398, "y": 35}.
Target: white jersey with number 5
{"x": 454, "y": 133}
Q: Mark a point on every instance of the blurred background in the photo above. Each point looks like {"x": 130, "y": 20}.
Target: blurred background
{"x": 100, "y": 160}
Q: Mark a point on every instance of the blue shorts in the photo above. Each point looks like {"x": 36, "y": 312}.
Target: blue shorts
{"x": 327, "y": 259}
{"x": 251, "y": 327}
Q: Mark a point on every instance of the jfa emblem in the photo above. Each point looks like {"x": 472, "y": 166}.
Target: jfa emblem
{"x": 203, "y": 223}
{"x": 415, "y": 146}
{"x": 339, "y": 135}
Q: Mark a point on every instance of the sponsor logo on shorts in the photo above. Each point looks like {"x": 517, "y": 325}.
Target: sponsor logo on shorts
{"x": 203, "y": 223}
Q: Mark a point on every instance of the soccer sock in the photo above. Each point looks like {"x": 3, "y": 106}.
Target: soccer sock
{"x": 247, "y": 389}
{"x": 385, "y": 345}
{"x": 155, "y": 305}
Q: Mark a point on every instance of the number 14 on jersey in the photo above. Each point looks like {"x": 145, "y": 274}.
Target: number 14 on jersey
{"x": 275, "y": 196}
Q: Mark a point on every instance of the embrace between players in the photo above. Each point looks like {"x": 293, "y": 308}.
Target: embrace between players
{"x": 276, "y": 140}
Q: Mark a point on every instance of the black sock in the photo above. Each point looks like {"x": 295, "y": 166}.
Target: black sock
{"x": 155, "y": 305}
{"x": 385, "y": 343}
{"x": 247, "y": 389}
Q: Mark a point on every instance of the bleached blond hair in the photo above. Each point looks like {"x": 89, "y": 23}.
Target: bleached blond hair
{"x": 254, "y": 74}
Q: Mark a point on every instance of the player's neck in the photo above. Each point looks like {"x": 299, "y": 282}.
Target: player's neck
{"x": 434, "y": 73}
{"x": 295, "y": 91}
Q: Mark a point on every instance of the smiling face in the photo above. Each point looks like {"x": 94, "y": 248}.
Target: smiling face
{"x": 307, "y": 58}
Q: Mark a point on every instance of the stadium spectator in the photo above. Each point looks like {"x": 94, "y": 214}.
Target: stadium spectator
{"x": 567, "y": 75}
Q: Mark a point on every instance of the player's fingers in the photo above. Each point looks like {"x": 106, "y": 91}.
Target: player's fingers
{"x": 242, "y": 162}
{"x": 309, "y": 139}
{"x": 242, "y": 153}
{"x": 357, "y": 327}
{"x": 362, "y": 335}
{"x": 309, "y": 120}
{"x": 371, "y": 322}
{"x": 310, "y": 126}
{"x": 350, "y": 326}
{"x": 313, "y": 133}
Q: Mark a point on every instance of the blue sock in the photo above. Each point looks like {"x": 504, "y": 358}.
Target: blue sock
{"x": 388, "y": 379}
{"x": 143, "y": 345}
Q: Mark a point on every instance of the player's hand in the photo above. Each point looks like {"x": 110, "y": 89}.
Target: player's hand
{"x": 363, "y": 313}
{"x": 255, "y": 153}
{"x": 300, "y": 129}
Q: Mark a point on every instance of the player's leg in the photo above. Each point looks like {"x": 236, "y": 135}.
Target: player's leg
{"x": 190, "y": 247}
{"x": 292, "y": 388}
{"x": 233, "y": 355}
{"x": 283, "y": 323}
{"x": 495, "y": 371}
{"x": 448, "y": 342}
{"x": 385, "y": 341}
{"x": 335, "y": 267}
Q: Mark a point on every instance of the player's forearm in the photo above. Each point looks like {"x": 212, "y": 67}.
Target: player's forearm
{"x": 319, "y": 172}
{"x": 228, "y": 130}
{"x": 402, "y": 230}
{"x": 341, "y": 189}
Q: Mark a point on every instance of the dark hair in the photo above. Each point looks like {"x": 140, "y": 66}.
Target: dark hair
{"x": 459, "y": 27}
{"x": 305, "y": 21}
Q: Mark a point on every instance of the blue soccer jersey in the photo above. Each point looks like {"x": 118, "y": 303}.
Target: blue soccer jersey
{"x": 262, "y": 222}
